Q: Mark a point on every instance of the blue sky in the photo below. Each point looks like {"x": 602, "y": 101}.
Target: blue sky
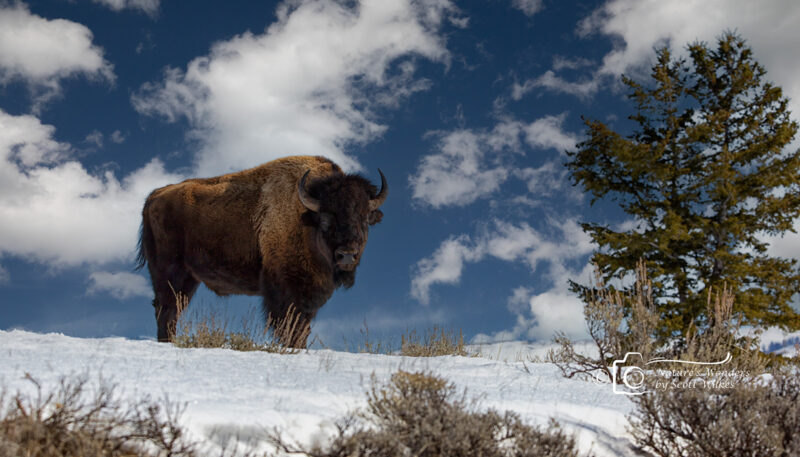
{"x": 468, "y": 108}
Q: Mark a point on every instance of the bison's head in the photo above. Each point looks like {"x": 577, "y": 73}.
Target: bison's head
{"x": 342, "y": 207}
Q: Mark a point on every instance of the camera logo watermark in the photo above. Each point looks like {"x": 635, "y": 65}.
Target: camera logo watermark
{"x": 629, "y": 378}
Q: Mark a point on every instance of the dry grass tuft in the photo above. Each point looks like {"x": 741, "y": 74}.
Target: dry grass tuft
{"x": 211, "y": 329}
{"x": 422, "y": 415}
{"x": 66, "y": 424}
{"x": 720, "y": 338}
{"x": 371, "y": 346}
{"x": 291, "y": 332}
{"x": 754, "y": 418}
{"x": 436, "y": 342}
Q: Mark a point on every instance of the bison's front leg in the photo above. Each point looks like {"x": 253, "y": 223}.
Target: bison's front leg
{"x": 292, "y": 330}
{"x": 288, "y": 313}
{"x": 290, "y": 326}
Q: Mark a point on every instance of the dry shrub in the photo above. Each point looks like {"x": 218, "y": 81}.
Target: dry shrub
{"x": 689, "y": 409}
{"x": 734, "y": 410}
{"x": 755, "y": 418}
{"x": 611, "y": 332}
{"x": 290, "y": 333}
{"x": 206, "y": 328}
{"x": 619, "y": 324}
{"x": 65, "y": 424}
{"x": 436, "y": 342}
{"x": 201, "y": 329}
{"x": 719, "y": 338}
{"x": 417, "y": 414}
{"x": 371, "y": 346}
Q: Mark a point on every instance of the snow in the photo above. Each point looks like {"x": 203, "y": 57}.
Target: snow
{"x": 779, "y": 341}
{"x": 242, "y": 394}
{"x": 523, "y": 351}
{"x": 773, "y": 339}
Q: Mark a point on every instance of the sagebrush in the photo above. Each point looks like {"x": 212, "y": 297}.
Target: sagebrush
{"x": 418, "y": 414}
{"x": 71, "y": 421}
{"x": 756, "y": 417}
{"x": 619, "y": 324}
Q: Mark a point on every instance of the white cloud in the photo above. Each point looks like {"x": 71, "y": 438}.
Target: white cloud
{"x": 511, "y": 242}
{"x": 42, "y": 52}
{"x": 26, "y": 142}
{"x": 529, "y": 7}
{"x": 117, "y": 137}
{"x": 554, "y": 310}
{"x": 786, "y": 246}
{"x": 540, "y": 315}
{"x": 52, "y": 210}
{"x": 584, "y": 89}
{"x": 639, "y": 26}
{"x": 444, "y": 266}
{"x": 557, "y": 310}
{"x": 548, "y": 132}
{"x": 120, "y": 285}
{"x": 462, "y": 171}
{"x": 95, "y": 137}
{"x": 470, "y": 164}
{"x": 150, "y": 7}
{"x": 570, "y": 63}
{"x": 308, "y": 85}
{"x": 545, "y": 180}
{"x": 505, "y": 241}
{"x": 519, "y": 299}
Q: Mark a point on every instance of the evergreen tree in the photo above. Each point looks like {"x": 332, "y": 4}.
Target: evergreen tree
{"x": 705, "y": 175}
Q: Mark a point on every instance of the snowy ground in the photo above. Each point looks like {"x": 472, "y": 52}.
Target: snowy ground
{"x": 241, "y": 394}
{"x": 522, "y": 351}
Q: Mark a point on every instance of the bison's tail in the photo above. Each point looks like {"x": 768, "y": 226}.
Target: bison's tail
{"x": 146, "y": 241}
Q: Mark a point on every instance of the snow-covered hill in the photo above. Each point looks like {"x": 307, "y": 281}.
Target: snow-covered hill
{"x": 241, "y": 394}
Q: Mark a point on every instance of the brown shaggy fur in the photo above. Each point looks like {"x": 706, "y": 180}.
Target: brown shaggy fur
{"x": 249, "y": 233}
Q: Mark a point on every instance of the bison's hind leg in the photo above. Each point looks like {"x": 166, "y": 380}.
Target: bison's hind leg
{"x": 174, "y": 289}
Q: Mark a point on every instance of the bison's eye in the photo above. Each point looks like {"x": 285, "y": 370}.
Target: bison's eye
{"x": 325, "y": 221}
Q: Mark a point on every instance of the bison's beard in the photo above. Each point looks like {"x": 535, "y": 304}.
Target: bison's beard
{"x": 344, "y": 278}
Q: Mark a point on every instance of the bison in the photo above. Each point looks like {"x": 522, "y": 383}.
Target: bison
{"x": 292, "y": 231}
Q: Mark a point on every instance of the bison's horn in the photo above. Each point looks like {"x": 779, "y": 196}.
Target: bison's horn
{"x": 376, "y": 202}
{"x": 307, "y": 200}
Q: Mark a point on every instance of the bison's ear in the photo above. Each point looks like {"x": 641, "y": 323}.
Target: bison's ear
{"x": 375, "y": 217}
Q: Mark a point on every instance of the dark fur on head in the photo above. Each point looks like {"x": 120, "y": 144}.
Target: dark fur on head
{"x": 344, "y": 216}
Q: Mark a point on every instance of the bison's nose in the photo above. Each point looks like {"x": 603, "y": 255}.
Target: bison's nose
{"x": 346, "y": 257}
